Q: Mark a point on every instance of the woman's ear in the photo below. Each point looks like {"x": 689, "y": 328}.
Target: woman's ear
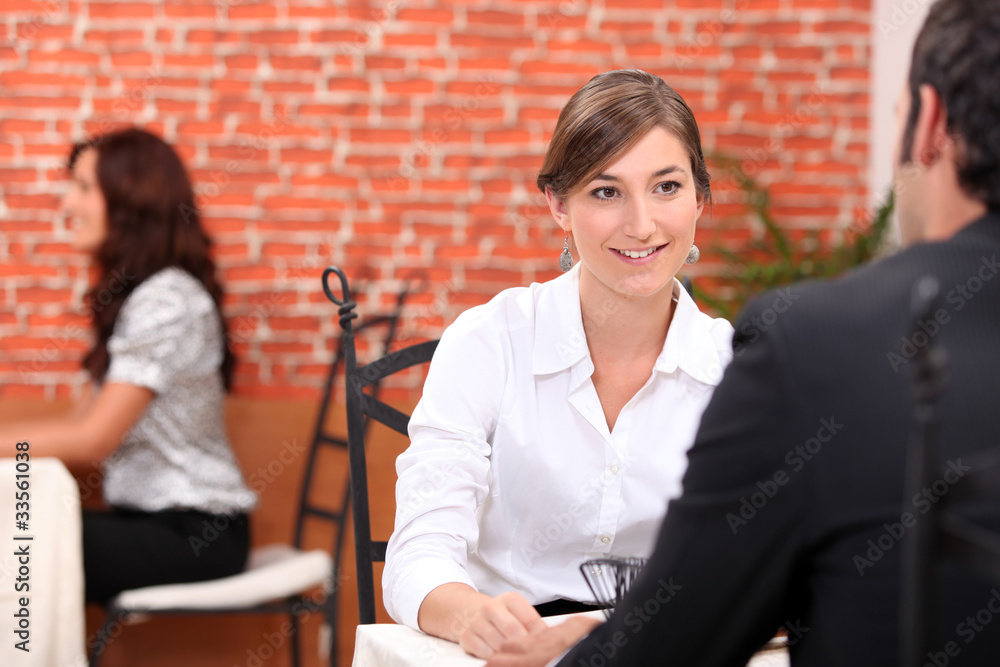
{"x": 557, "y": 207}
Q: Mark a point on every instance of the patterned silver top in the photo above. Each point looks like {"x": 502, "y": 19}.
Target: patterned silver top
{"x": 168, "y": 338}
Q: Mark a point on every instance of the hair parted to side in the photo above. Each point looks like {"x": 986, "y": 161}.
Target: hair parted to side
{"x": 958, "y": 53}
{"x": 606, "y": 118}
{"x": 153, "y": 224}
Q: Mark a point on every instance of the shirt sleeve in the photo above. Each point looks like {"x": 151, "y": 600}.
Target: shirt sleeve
{"x": 161, "y": 334}
{"x": 443, "y": 476}
{"x": 729, "y": 546}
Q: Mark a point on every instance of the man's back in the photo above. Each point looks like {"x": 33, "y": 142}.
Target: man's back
{"x": 793, "y": 506}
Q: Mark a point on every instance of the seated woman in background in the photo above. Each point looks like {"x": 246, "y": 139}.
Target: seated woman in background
{"x": 556, "y": 418}
{"x": 161, "y": 366}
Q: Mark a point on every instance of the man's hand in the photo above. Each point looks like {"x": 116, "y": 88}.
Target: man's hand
{"x": 541, "y": 646}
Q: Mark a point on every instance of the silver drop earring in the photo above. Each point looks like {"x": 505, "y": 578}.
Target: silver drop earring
{"x": 693, "y": 255}
{"x": 565, "y": 259}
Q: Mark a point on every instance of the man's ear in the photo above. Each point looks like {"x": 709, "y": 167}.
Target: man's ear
{"x": 930, "y": 134}
{"x": 557, "y": 207}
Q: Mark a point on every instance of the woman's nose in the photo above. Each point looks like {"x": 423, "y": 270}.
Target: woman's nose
{"x": 640, "y": 224}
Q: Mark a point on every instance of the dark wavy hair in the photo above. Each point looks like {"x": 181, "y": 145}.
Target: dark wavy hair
{"x": 958, "y": 53}
{"x": 153, "y": 224}
{"x": 609, "y": 115}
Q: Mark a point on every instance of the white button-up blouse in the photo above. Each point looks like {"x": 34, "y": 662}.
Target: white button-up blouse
{"x": 512, "y": 478}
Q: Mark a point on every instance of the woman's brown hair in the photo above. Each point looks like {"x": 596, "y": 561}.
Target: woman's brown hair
{"x": 606, "y": 118}
{"x": 153, "y": 224}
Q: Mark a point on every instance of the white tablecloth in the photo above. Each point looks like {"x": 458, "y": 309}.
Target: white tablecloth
{"x": 387, "y": 645}
{"x": 55, "y": 567}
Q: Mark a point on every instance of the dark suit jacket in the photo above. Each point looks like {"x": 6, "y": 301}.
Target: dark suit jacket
{"x": 793, "y": 502}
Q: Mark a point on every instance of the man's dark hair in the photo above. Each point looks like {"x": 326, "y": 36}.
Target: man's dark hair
{"x": 958, "y": 54}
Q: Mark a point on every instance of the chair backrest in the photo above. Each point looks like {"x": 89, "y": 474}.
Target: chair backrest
{"x": 942, "y": 534}
{"x": 311, "y": 507}
{"x": 363, "y": 406}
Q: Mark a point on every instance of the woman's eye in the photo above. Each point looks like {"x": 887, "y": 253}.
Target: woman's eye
{"x": 669, "y": 187}
{"x": 605, "y": 193}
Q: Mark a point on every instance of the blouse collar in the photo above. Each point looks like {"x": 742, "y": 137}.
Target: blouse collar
{"x": 560, "y": 342}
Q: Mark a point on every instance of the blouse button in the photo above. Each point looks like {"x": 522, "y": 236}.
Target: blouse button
{"x": 614, "y": 469}
{"x": 605, "y": 539}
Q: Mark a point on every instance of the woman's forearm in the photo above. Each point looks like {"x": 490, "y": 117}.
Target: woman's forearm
{"x": 82, "y": 439}
{"x": 447, "y": 610}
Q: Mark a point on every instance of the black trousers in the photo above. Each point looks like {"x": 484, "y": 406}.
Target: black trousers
{"x": 124, "y": 549}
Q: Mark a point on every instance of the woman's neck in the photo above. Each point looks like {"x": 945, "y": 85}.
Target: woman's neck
{"x": 622, "y": 327}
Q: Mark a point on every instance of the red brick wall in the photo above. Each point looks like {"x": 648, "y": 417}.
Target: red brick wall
{"x": 389, "y": 137}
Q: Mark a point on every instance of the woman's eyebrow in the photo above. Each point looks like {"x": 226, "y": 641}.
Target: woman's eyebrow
{"x": 662, "y": 172}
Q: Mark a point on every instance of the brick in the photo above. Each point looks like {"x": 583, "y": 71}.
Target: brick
{"x": 21, "y": 126}
{"x": 273, "y": 37}
{"x": 113, "y": 37}
{"x": 843, "y": 27}
{"x": 66, "y": 57}
{"x": 28, "y": 271}
{"x": 285, "y": 202}
{"x": 35, "y": 31}
{"x": 178, "y": 107}
{"x": 324, "y": 181}
{"x": 23, "y": 79}
{"x": 120, "y": 10}
{"x": 409, "y": 87}
{"x": 242, "y": 61}
{"x": 296, "y": 63}
{"x": 364, "y": 135}
{"x": 189, "y": 10}
{"x": 495, "y": 18}
{"x": 41, "y": 295}
{"x": 188, "y": 60}
{"x": 42, "y": 201}
{"x": 335, "y": 111}
{"x": 391, "y": 40}
{"x": 257, "y": 12}
{"x": 435, "y": 16}
{"x": 297, "y": 11}
{"x": 579, "y": 46}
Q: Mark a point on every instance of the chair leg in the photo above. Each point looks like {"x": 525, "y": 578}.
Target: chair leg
{"x": 101, "y": 641}
{"x": 296, "y": 638}
{"x": 330, "y": 618}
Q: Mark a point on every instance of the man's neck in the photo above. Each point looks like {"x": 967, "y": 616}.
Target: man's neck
{"x": 952, "y": 217}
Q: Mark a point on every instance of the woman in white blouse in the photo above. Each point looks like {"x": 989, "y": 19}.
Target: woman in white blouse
{"x": 555, "y": 419}
{"x": 161, "y": 365}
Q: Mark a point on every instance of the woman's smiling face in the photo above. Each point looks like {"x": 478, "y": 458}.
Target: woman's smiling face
{"x": 633, "y": 224}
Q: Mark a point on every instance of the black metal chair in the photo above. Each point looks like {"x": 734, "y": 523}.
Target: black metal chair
{"x": 942, "y": 534}
{"x": 279, "y": 578}
{"x": 362, "y": 407}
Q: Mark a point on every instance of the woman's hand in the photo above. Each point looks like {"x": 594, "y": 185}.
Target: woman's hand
{"x": 498, "y": 620}
{"x": 478, "y": 623}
